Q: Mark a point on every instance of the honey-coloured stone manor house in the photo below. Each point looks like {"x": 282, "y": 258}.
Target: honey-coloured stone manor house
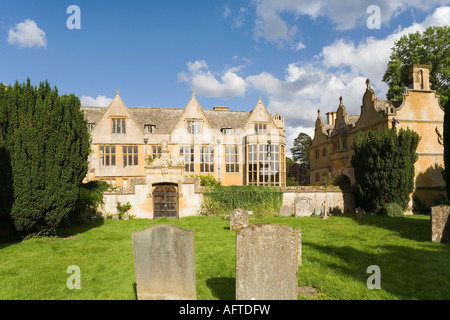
{"x": 420, "y": 111}
{"x": 151, "y": 154}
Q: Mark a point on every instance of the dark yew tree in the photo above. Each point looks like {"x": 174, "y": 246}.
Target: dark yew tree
{"x": 383, "y": 164}
{"x": 45, "y": 143}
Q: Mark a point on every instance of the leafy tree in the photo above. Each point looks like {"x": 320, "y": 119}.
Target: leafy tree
{"x": 300, "y": 149}
{"x": 290, "y": 181}
{"x": 44, "y": 141}
{"x": 300, "y": 173}
{"x": 430, "y": 47}
{"x": 383, "y": 164}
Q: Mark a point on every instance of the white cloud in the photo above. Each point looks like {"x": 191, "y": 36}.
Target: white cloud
{"x": 239, "y": 21}
{"x": 204, "y": 82}
{"x": 341, "y": 69}
{"x": 345, "y": 14}
{"x": 27, "y": 34}
{"x": 100, "y": 101}
{"x": 371, "y": 56}
{"x": 226, "y": 12}
{"x": 197, "y": 66}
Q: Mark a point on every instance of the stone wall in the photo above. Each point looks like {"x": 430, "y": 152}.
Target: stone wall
{"x": 190, "y": 198}
{"x": 303, "y": 201}
{"x": 307, "y": 200}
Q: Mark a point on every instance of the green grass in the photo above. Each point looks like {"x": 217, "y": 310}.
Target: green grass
{"x": 336, "y": 254}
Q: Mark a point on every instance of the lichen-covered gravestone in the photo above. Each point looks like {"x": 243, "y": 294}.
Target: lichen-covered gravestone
{"x": 267, "y": 260}
{"x": 285, "y": 211}
{"x": 238, "y": 219}
{"x": 303, "y": 207}
{"x": 164, "y": 263}
{"x": 440, "y": 224}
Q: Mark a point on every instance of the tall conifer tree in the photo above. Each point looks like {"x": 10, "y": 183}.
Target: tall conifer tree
{"x": 46, "y": 140}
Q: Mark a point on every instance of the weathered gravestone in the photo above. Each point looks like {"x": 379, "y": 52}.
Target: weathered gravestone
{"x": 440, "y": 224}
{"x": 164, "y": 263}
{"x": 303, "y": 207}
{"x": 267, "y": 260}
{"x": 238, "y": 219}
{"x": 285, "y": 211}
{"x": 360, "y": 213}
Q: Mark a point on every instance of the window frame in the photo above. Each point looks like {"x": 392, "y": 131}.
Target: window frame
{"x": 130, "y": 154}
{"x": 231, "y": 159}
{"x": 188, "y": 158}
{"x": 119, "y": 125}
{"x": 207, "y": 159}
{"x": 107, "y": 155}
{"x": 194, "y": 126}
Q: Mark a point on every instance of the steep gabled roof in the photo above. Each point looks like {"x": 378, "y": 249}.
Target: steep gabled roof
{"x": 227, "y": 119}
{"x": 93, "y": 114}
{"x": 164, "y": 119}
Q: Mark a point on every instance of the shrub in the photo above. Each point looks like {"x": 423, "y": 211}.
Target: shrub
{"x": 91, "y": 194}
{"x": 209, "y": 181}
{"x": 391, "y": 210}
{"x": 123, "y": 208}
{"x": 262, "y": 200}
{"x": 420, "y": 206}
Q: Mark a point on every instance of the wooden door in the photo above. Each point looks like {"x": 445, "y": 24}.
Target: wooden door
{"x": 165, "y": 201}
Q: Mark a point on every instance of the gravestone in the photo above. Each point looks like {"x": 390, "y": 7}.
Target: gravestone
{"x": 285, "y": 211}
{"x": 325, "y": 214}
{"x": 317, "y": 211}
{"x": 303, "y": 207}
{"x": 238, "y": 219}
{"x": 164, "y": 263}
{"x": 440, "y": 224}
{"x": 359, "y": 213}
{"x": 267, "y": 260}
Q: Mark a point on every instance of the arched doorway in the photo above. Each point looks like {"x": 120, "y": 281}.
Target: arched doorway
{"x": 343, "y": 181}
{"x": 165, "y": 201}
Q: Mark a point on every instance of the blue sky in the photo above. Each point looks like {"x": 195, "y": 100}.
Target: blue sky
{"x": 299, "y": 55}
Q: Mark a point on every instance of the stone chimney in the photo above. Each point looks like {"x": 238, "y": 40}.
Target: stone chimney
{"x": 419, "y": 77}
{"x": 331, "y": 118}
{"x": 279, "y": 120}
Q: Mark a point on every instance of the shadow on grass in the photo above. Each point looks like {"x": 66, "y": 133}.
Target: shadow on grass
{"x": 413, "y": 229}
{"x": 77, "y": 228}
{"x": 222, "y": 288}
{"x": 406, "y": 273}
{"x": 66, "y": 232}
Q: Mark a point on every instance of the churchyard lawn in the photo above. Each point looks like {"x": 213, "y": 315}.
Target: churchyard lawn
{"x": 336, "y": 255}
